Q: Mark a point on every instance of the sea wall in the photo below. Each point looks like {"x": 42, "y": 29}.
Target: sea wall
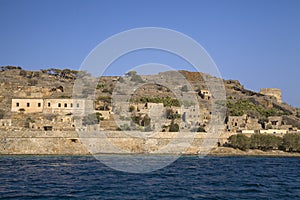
{"x": 114, "y": 142}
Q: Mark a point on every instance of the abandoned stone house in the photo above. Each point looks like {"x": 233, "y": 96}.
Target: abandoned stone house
{"x": 155, "y": 111}
{"x": 277, "y": 122}
{"x": 57, "y": 123}
{"x": 80, "y": 127}
{"x": 59, "y": 106}
{"x": 239, "y": 123}
{"x": 193, "y": 116}
{"x": 205, "y": 94}
{"x": 5, "y": 123}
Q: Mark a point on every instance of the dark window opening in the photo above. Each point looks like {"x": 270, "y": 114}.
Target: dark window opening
{"x": 74, "y": 140}
{"x": 59, "y": 105}
{"x": 66, "y": 105}
{"x": 48, "y": 128}
{"x": 28, "y": 104}
{"x": 17, "y": 104}
{"x": 77, "y": 105}
{"x": 39, "y": 104}
{"x": 49, "y": 104}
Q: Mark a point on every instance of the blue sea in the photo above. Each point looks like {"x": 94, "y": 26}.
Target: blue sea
{"x": 190, "y": 177}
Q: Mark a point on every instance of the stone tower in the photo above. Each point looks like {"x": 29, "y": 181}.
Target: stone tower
{"x": 274, "y": 92}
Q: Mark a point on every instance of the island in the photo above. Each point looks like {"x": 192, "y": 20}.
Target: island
{"x": 40, "y": 114}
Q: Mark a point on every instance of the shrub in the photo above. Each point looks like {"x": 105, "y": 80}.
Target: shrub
{"x": 2, "y": 113}
{"x": 240, "y": 107}
{"x": 265, "y": 142}
{"x": 131, "y": 109}
{"x": 259, "y": 141}
{"x": 174, "y": 127}
{"x": 201, "y": 129}
{"x": 90, "y": 119}
{"x": 167, "y": 101}
{"x": 172, "y": 115}
{"x": 239, "y": 141}
{"x": 146, "y": 121}
{"x": 291, "y": 142}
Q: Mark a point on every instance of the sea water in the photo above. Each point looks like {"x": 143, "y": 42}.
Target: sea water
{"x": 190, "y": 177}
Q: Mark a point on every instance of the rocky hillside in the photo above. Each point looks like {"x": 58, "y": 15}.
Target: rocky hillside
{"x": 55, "y": 83}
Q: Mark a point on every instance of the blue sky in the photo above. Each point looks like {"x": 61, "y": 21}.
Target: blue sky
{"x": 254, "y": 41}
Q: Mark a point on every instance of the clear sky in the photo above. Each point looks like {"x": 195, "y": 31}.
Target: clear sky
{"x": 254, "y": 41}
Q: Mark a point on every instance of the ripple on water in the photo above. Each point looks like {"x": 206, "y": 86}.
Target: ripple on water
{"x": 65, "y": 177}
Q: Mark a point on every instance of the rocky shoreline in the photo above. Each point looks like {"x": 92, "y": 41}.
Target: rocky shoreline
{"x": 70, "y": 143}
{"x": 227, "y": 151}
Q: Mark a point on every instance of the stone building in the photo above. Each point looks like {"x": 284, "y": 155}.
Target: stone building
{"x": 236, "y": 123}
{"x": 277, "y": 122}
{"x": 193, "y": 116}
{"x": 27, "y": 105}
{"x": 58, "y": 123}
{"x": 5, "y": 122}
{"x": 239, "y": 123}
{"x": 274, "y": 92}
{"x": 59, "y": 106}
{"x": 64, "y": 106}
{"x": 205, "y": 94}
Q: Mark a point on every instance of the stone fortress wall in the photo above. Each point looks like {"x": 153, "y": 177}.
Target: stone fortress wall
{"x": 114, "y": 142}
{"x": 274, "y": 92}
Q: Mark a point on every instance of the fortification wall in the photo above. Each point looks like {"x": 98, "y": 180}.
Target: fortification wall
{"x": 69, "y": 143}
{"x": 274, "y": 92}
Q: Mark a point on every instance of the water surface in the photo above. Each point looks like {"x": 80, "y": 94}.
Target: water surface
{"x": 83, "y": 177}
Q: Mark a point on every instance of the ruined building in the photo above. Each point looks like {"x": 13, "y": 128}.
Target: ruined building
{"x": 273, "y": 92}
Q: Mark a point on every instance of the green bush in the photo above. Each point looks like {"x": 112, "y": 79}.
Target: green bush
{"x": 167, "y": 101}
{"x": 239, "y": 141}
{"x": 172, "y": 115}
{"x": 291, "y": 142}
{"x": 200, "y": 129}
{"x": 265, "y": 142}
{"x": 90, "y": 119}
{"x": 131, "y": 108}
{"x": 174, "y": 127}
{"x": 240, "y": 107}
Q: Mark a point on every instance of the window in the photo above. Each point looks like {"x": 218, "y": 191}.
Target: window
{"x": 28, "y": 104}
{"x": 71, "y": 105}
{"x": 49, "y": 104}
{"x": 39, "y": 104}
{"x": 17, "y": 104}
{"x": 66, "y": 105}
{"x": 77, "y": 105}
{"x": 59, "y": 105}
